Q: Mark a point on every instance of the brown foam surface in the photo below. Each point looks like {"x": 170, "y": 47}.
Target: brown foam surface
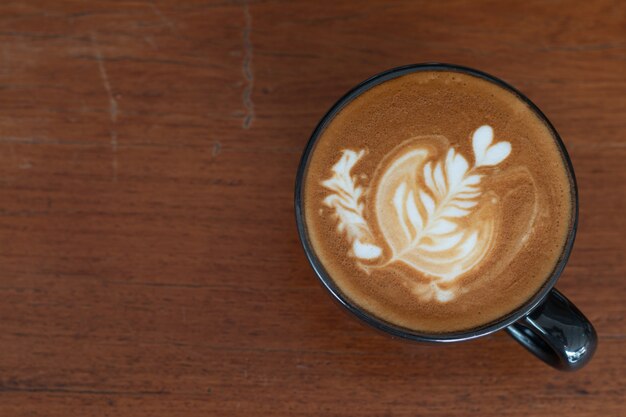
{"x": 521, "y": 216}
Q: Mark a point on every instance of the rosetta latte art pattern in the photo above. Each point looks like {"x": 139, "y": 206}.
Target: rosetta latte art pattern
{"x": 430, "y": 212}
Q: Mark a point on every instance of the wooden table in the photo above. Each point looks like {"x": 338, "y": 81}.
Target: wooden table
{"x": 149, "y": 259}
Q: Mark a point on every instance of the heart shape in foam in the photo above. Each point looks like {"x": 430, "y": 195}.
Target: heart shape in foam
{"x": 486, "y": 154}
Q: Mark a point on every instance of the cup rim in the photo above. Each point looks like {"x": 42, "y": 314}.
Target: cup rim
{"x": 380, "y": 324}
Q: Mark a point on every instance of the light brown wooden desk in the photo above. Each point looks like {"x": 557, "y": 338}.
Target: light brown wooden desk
{"x": 149, "y": 261}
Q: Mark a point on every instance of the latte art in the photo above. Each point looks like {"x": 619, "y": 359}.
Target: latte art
{"x": 420, "y": 204}
{"x": 437, "y": 201}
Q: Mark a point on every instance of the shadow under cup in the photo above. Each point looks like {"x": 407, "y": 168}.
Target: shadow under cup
{"x": 548, "y": 325}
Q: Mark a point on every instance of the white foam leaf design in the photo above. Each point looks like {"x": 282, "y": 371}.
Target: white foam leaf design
{"x": 431, "y": 199}
{"x": 429, "y": 203}
{"x": 486, "y": 155}
{"x": 422, "y": 204}
{"x": 345, "y": 201}
{"x": 413, "y": 213}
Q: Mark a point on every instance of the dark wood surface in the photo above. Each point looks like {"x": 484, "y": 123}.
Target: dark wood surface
{"x": 149, "y": 260}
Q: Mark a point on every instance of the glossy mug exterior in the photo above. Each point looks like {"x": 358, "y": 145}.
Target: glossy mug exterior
{"x": 548, "y": 325}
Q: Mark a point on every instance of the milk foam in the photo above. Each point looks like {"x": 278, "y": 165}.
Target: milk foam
{"x": 429, "y": 210}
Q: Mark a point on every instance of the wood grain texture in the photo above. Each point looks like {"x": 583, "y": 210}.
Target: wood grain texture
{"x": 149, "y": 261}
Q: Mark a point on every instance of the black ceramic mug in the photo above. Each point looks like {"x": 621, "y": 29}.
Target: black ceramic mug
{"x": 548, "y": 324}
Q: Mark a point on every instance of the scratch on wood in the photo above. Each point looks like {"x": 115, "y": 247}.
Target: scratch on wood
{"x": 150, "y": 42}
{"x": 217, "y": 148}
{"x": 167, "y": 22}
{"x": 247, "y": 68}
{"x": 112, "y": 102}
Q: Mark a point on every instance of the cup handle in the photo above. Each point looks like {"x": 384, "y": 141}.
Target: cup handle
{"x": 557, "y": 333}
